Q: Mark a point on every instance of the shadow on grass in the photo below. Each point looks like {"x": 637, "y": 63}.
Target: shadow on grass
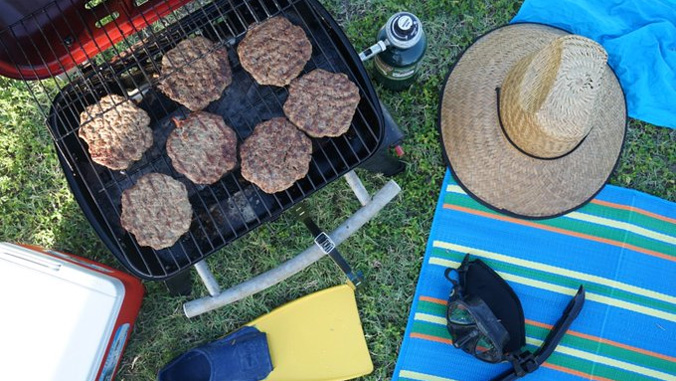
{"x": 75, "y": 235}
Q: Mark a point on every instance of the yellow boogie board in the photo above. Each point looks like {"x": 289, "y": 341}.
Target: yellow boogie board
{"x": 315, "y": 338}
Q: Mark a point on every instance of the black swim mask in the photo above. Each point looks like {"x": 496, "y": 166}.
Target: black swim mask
{"x": 485, "y": 319}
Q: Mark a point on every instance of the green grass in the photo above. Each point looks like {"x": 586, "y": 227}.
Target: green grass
{"x": 36, "y": 205}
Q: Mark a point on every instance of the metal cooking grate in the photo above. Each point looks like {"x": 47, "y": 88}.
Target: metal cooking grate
{"x": 230, "y": 208}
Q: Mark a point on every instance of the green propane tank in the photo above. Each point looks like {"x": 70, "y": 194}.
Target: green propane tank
{"x": 397, "y": 54}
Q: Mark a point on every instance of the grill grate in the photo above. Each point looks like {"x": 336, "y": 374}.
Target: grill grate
{"x": 230, "y": 208}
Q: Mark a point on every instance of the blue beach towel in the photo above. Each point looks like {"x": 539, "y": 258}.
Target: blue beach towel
{"x": 640, "y": 37}
{"x": 621, "y": 247}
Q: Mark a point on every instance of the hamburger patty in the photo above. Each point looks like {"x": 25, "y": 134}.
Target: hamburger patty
{"x": 202, "y": 147}
{"x": 274, "y": 52}
{"x": 156, "y": 211}
{"x": 117, "y": 133}
{"x": 322, "y": 103}
{"x": 275, "y": 155}
{"x": 198, "y": 72}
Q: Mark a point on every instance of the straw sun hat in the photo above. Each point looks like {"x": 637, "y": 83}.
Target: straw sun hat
{"x": 532, "y": 120}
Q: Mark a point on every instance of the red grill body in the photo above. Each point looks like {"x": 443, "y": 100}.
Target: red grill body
{"x": 44, "y": 38}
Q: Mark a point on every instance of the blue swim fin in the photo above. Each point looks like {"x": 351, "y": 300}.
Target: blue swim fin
{"x": 240, "y": 356}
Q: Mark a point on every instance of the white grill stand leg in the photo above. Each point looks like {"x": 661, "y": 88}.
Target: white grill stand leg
{"x": 371, "y": 207}
{"x": 207, "y": 278}
{"x": 358, "y": 188}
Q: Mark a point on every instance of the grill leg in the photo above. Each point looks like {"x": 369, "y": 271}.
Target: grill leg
{"x": 207, "y": 278}
{"x": 358, "y": 188}
{"x": 299, "y": 262}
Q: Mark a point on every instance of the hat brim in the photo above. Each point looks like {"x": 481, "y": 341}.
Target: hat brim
{"x": 488, "y": 166}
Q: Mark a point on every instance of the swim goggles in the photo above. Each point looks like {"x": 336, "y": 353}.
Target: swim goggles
{"x": 485, "y": 319}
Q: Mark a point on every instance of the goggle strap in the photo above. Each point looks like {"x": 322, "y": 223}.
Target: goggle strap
{"x": 527, "y": 362}
{"x": 556, "y": 334}
{"x": 460, "y": 270}
{"x": 447, "y": 274}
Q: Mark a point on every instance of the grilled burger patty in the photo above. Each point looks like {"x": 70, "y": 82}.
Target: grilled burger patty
{"x": 156, "y": 210}
{"x": 198, "y": 72}
{"x": 202, "y": 147}
{"x": 116, "y": 131}
{"x": 275, "y": 155}
{"x": 274, "y": 52}
{"x": 322, "y": 103}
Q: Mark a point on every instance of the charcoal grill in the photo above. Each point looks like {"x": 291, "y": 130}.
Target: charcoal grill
{"x": 74, "y": 52}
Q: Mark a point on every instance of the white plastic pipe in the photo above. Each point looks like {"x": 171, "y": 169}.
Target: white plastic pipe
{"x": 299, "y": 262}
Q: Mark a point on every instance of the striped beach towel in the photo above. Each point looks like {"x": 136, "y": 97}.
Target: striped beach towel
{"x": 621, "y": 247}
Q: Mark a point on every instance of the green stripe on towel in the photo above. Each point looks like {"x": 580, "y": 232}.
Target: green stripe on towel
{"x": 576, "y": 226}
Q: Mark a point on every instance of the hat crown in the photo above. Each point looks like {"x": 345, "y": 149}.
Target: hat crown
{"x": 548, "y": 98}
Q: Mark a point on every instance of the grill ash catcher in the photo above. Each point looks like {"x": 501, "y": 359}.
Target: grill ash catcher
{"x": 75, "y": 52}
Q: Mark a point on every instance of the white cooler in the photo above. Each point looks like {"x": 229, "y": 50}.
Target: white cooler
{"x": 63, "y": 317}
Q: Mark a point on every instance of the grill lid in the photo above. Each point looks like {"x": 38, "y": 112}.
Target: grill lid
{"x": 43, "y": 38}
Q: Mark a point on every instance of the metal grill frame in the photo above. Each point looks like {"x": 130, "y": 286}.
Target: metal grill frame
{"x": 99, "y": 73}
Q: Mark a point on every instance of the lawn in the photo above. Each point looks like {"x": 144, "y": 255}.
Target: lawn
{"x": 36, "y": 205}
